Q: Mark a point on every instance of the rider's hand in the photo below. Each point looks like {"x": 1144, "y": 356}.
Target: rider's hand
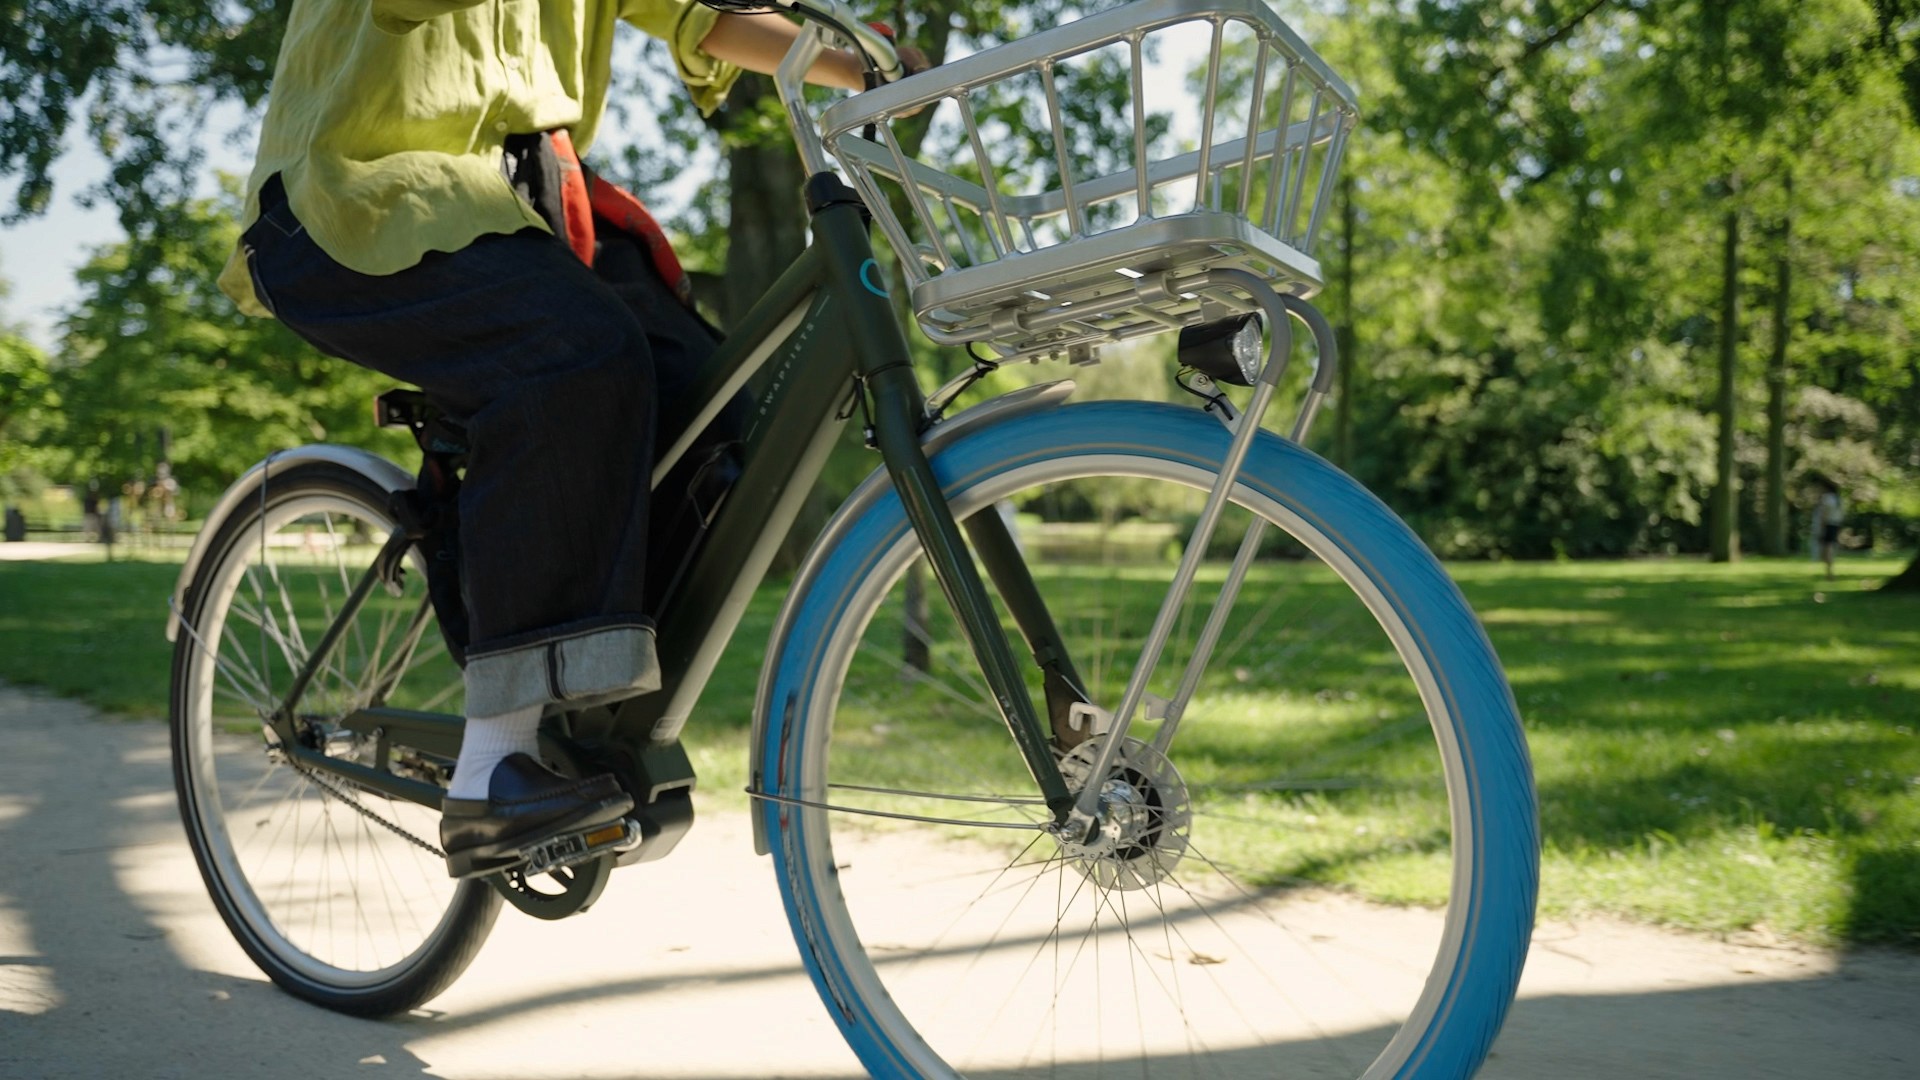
{"x": 912, "y": 61}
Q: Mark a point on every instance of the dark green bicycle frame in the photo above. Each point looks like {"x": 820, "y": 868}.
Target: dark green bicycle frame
{"x": 845, "y": 341}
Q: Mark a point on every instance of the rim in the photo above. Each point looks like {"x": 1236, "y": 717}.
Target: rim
{"x": 832, "y": 877}
{"x": 329, "y": 892}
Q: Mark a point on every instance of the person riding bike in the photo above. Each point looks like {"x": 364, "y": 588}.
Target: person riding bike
{"x": 393, "y": 218}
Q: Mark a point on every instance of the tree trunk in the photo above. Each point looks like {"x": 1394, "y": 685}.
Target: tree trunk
{"x": 1907, "y": 580}
{"x": 766, "y": 221}
{"x": 1723, "y": 535}
{"x": 1774, "y": 538}
{"x": 1343, "y": 386}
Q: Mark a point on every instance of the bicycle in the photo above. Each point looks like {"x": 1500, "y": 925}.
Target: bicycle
{"x": 1128, "y": 832}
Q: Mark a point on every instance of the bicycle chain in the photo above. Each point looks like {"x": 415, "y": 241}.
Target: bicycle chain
{"x": 327, "y": 786}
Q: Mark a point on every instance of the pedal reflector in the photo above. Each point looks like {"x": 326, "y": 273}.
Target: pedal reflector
{"x": 607, "y": 834}
{"x": 574, "y": 848}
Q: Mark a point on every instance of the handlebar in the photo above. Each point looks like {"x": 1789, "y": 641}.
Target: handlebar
{"x": 838, "y": 15}
{"x": 820, "y": 16}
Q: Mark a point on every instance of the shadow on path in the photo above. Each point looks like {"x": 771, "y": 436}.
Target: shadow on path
{"x": 93, "y": 982}
{"x": 113, "y": 964}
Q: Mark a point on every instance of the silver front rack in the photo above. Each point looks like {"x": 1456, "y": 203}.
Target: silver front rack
{"x": 1040, "y": 216}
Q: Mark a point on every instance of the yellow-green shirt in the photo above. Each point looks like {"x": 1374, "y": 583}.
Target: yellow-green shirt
{"x": 387, "y": 119}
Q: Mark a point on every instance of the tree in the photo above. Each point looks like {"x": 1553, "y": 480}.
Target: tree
{"x": 1605, "y": 155}
{"x": 1723, "y": 538}
{"x": 1530, "y": 411}
{"x": 27, "y": 403}
{"x": 155, "y": 352}
{"x": 1774, "y": 533}
{"x": 1907, "y": 580}
{"x": 141, "y": 75}
{"x": 1765, "y": 93}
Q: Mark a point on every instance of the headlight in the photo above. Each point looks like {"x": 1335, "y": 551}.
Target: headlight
{"x": 1227, "y": 351}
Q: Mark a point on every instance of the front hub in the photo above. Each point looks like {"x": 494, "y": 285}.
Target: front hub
{"x": 1145, "y": 815}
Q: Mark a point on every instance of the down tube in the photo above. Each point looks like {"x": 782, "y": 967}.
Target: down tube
{"x": 805, "y": 382}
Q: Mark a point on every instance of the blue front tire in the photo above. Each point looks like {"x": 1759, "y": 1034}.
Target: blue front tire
{"x": 1353, "y": 728}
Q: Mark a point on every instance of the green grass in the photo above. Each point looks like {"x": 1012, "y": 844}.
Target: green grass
{"x": 1717, "y": 748}
{"x": 90, "y": 629}
{"x": 1720, "y": 747}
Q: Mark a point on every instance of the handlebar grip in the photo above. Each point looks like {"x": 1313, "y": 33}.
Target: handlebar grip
{"x": 873, "y": 39}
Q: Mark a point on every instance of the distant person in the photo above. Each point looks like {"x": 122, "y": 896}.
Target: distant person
{"x": 165, "y": 493}
{"x": 1828, "y": 515}
{"x": 130, "y": 505}
{"x": 112, "y": 519}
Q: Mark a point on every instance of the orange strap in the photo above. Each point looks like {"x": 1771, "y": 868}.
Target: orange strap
{"x": 627, "y": 213}
{"x": 578, "y": 209}
{"x": 584, "y": 194}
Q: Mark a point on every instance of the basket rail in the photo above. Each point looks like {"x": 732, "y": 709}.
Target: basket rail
{"x": 1026, "y": 211}
{"x": 1082, "y": 35}
{"x": 1077, "y": 263}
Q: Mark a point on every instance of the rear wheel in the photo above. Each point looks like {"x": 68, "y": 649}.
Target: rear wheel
{"x": 1352, "y": 729}
{"x": 337, "y": 892}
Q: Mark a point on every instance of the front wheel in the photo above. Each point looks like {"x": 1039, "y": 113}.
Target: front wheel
{"x": 1352, "y": 732}
{"x": 337, "y": 892}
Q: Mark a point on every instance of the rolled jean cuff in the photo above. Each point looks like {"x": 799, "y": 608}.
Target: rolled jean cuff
{"x": 594, "y": 659}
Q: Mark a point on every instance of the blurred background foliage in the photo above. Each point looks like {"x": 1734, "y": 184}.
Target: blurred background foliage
{"x": 1616, "y": 277}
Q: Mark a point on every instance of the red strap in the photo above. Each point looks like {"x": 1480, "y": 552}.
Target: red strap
{"x": 575, "y": 204}
{"x": 584, "y": 194}
{"x": 628, "y": 214}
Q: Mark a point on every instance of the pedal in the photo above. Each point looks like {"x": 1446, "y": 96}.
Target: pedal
{"x": 571, "y": 849}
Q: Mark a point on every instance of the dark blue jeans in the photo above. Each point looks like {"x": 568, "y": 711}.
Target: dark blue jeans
{"x": 553, "y": 375}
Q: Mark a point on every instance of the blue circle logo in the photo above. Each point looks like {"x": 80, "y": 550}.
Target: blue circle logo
{"x": 869, "y": 276}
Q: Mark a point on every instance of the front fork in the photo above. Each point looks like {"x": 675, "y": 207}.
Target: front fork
{"x": 898, "y": 415}
{"x": 1084, "y": 820}
{"x": 898, "y": 410}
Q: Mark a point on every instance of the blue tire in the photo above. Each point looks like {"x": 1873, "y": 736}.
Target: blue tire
{"x": 1189, "y": 935}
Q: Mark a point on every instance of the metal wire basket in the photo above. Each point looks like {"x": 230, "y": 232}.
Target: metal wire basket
{"x": 1075, "y": 182}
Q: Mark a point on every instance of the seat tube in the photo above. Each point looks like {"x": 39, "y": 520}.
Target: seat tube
{"x": 898, "y": 414}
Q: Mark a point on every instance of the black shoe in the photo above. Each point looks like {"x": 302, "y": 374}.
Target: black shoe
{"x": 527, "y": 804}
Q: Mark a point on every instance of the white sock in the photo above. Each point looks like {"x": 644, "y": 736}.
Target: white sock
{"x": 488, "y": 739}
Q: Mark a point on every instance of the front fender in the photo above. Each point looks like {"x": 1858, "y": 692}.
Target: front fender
{"x": 986, "y": 414}
{"x": 365, "y": 462}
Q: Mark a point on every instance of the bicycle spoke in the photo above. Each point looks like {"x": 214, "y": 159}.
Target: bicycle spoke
{"x": 1146, "y": 946}
{"x": 331, "y": 666}
{"x": 228, "y": 667}
{"x": 337, "y": 884}
{"x": 336, "y": 546}
{"x": 295, "y": 638}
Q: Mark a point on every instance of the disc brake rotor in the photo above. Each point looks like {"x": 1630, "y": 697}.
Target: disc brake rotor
{"x": 1146, "y": 816}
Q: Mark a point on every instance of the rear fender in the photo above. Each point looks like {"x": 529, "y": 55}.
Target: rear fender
{"x": 368, "y": 464}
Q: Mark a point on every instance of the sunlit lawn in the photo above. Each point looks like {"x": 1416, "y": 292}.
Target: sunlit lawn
{"x": 1720, "y": 748}
{"x": 90, "y": 629}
